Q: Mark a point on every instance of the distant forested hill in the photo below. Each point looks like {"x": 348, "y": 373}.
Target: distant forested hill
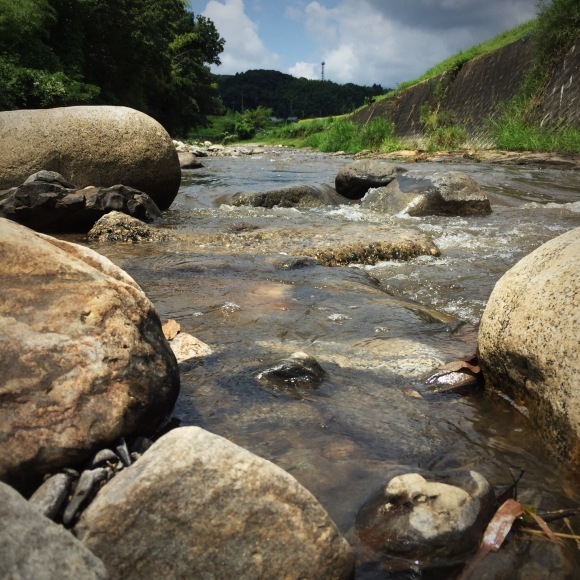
{"x": 289, "y": 96}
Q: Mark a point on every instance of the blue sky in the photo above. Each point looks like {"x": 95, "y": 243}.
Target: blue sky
{"x": 361, "y": 41}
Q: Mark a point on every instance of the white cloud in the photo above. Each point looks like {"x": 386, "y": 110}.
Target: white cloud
{"x": 244, "y": 49}
{"x": 306, "y": 70}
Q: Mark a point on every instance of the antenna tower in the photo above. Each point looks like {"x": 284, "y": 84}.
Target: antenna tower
{"x": 322, "y": 75}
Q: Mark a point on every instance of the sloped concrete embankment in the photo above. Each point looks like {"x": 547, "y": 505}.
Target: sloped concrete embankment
{"x": 472, "y": 93}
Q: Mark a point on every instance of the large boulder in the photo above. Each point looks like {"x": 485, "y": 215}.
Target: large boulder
{"x": 83, "y": 359}
{"x": 46, "y": 202}
{"x": 440, "y": 193}
{"x": 301, "y": 196}
{"x": 99, "y": 146}
{"x": 528, "y": 340}
{"x": 355, "y": 179}
{"x": 197, "y": 506}
{"x": 34, "y": 547}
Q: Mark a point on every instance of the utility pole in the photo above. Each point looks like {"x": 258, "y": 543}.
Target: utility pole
{"x": 322, "y": 75}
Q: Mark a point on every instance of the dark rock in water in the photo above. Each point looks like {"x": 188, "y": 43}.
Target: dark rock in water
{"x": 354, "y": 180}
{"x": 434, "y": 518}
{"x": 525, "y": 558}
{"x": 293, "y": 262}
{"x": 441, "y": 193}
{"x": 47, "y": 202}
{"x": 31, "y": 546}
{"x": 188, "y": 160}
{"x": 301, "y": 196}
{"x": 49, "y": 498}
{"x": 299, "y": 370}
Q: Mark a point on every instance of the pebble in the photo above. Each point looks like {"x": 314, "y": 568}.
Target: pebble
{"x": 49, "y": 498}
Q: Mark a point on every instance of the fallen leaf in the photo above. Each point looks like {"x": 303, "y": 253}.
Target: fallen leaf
{"x": 495, "y": 533}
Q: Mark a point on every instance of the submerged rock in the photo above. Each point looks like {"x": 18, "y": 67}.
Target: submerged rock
{"x": 431, "y": 519}
{"x": 354, "y": 180}
{"x": 301, "y": 196}
{"x": 212, "y": 509}
{"x": 528, "y": 340}
{"x": 34, "y": 547}
{"x": 440, "y": 193}
{"x": 83, "y": 359}
{"x": 299, "y": 370}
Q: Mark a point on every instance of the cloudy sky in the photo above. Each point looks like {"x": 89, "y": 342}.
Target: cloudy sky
{"x": 361, "y": 41}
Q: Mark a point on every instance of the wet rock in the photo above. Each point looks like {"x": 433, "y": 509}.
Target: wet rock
{"x": 300, "y": 196}
{"x": 171, "y": 329}
{"x": 119, "y": 227}
{"x": 123, "y": 452}
{"x": 299, "y": 370}
{"x": 83, "y": 358}
{"x": 528, "y": 340}
{"x": 525, "y": 558}
{"x": 34, "y": 547}
{"x": 104, "y": 457}
{"x": 49, "y": 498}
{"x": 431, "y": 518}
{"x": 140, "y": 445}
{"x": 440, "y": 193}
{"x": 187, "y": 348}
{"x": 354, "y": 180}
{"x": 188, "y": 160}
{"x": 85, "y": 487}
{"x": 293, "y": 262}
{"x": 45, "y": 204}
{"x": 213, "y": 510}
{"x": 95, "y": 145}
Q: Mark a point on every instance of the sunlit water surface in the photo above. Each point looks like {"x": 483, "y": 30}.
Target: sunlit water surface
{"x": 343, "y": 439}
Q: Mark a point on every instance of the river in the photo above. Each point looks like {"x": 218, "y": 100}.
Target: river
{"x": 373, "y": 412}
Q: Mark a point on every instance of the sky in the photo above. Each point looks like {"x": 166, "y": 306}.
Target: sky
{"x": 360, "y": 41}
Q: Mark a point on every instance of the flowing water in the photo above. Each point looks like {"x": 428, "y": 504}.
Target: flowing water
{"x": 254, "y": 304}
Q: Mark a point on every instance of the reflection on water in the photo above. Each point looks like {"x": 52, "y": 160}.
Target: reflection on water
{"x": 343, "y": 439}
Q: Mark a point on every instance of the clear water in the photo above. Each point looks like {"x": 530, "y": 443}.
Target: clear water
{"x": 342, "y": 440}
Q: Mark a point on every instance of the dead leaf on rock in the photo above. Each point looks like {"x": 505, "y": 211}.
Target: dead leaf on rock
{"x": 171, "y": 329}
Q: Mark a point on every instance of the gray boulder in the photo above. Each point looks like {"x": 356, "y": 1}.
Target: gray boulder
{"x": 528, "y": 340}
{"x": 31, "y": 546}
{"x": 416, "y": 194}
{"x": 188, "y": 160}
{"x": 354, "y": 180}
{"x": 299, "y": 370}
{"x": 46, "y": 202}
{"x": 197, "y": 506}
{"x": 300, "y": 196}
{"x": 98, "y": 145}
{"x": 83, "y": 359}
{"x": 430, "y": 518}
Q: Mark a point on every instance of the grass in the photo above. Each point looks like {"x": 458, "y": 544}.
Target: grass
{"x": 334, "y": 134}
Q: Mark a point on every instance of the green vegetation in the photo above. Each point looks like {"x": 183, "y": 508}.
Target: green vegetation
{"x": 456, "y": 61}
{"x": 289, "y": 96}
{"x": 338, "y": 134}
{"x": 440, "y": 129}
{"x": 152, "y": 55}
{"x": 518, "y": 125}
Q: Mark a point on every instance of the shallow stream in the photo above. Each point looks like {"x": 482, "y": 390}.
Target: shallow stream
{"x": 255, "y": 304}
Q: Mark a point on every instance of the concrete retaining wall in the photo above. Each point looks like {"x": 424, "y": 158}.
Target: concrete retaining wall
{"x": 472, "y": 94}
